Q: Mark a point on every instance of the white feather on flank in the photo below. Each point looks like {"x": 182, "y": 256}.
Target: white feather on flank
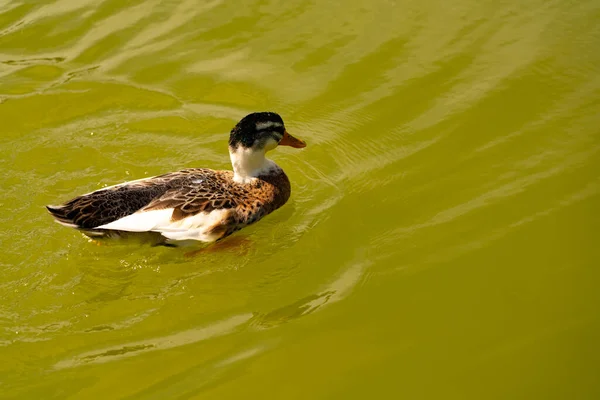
{"x": 250, "y": 163}
{"x": 195, "y": 227}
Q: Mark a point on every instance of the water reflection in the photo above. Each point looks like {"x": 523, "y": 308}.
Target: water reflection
{"x": 331, "y": 293}
{"x": 161, "y": 343}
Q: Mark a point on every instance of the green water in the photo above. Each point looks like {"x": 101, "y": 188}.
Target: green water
{"x": 441, "y": 241}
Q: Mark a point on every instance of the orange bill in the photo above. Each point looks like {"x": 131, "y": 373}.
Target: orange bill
{"x": 289, "y": 140}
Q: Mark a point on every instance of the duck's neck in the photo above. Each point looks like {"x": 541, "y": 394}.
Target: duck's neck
{"x": 248, "y": 164}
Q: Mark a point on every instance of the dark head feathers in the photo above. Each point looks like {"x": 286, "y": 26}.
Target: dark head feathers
{"x": 254, "y": 126}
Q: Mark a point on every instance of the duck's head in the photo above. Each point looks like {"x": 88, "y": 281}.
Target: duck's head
{"x": 252, "y": 137}
{"x": 262, "y": 131}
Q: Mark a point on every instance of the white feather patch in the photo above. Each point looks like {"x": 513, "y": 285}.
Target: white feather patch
{"x": 142, "y": 221}
{"x": 196, "y": 227}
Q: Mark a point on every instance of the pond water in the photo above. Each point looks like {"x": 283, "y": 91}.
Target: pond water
{"x": 441, "y": 238}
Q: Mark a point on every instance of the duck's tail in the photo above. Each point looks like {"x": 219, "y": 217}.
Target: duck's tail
{"x": 61, "y": 215}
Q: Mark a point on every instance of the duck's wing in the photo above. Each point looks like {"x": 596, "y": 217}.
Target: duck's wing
{"x": 198, "y": 209}
{"x": 201, "y": 195}
{"x": 103, "y": 206}
{"x": 179, "y": 194}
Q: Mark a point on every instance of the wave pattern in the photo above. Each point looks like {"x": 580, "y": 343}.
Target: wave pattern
{"x": 451, "y": 166}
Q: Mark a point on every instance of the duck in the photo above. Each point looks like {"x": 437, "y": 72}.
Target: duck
{"x": 194, "y": 204}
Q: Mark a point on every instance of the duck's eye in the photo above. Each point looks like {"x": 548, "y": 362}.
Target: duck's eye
{"x": 270, "y": 139}
{"x": 277, "y": 136}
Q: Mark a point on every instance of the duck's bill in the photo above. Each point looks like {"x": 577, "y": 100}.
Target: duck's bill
{"x": 289, "y": 140}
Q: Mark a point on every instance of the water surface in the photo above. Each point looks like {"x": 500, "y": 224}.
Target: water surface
{"x": 442, "y": 236}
